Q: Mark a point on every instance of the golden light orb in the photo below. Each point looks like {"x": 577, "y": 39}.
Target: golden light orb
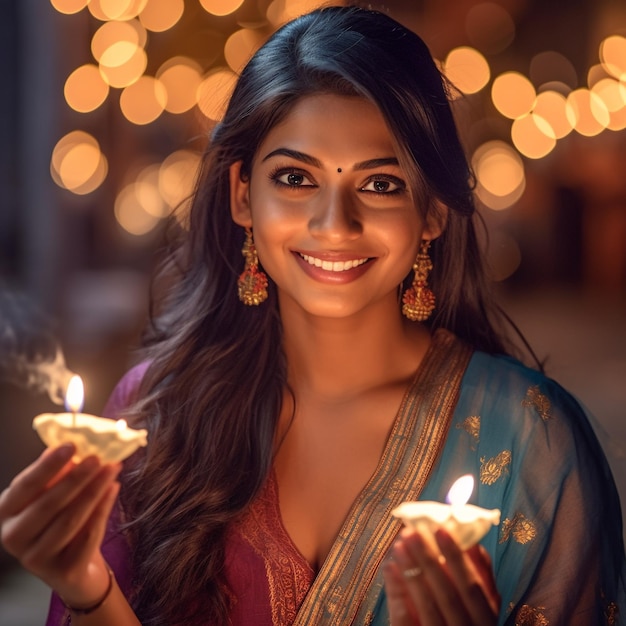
{"x": 181, "y": 77}
{"x": 513, "y": 94}
{"x": 143, "y": 101}
{"x": 552, "y": 107}
{"x": 467, "y": 69}
{"x": 279, "y": 11}
{"x": 221, "y": 7}
{"x": 68, "y": 7}
{"x": 177, "y": 177}
{"x": 240, "y": 46}
{"x": 533, "y": 136}
{"x": 122, "y": 64}
{"x": 612, "y": 92}
{"x": 215, "y": 91}
{"x": 587, "y": 112}
{"x": 131, "y": 214}
{"x": 119, "y": 10}
{"x": 112, "y": 34}
{"x": 489, "y": 27}
{"x": 77, "y": 163}
{"x": 85, "y": 90}
{"x": 148, "y": 192}
{"x": 500, "y": 177}
{"x": 613, "y": 56}
{"x": 161, "y": 15}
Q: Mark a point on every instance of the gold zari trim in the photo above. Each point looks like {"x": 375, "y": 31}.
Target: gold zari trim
{"x": 350, "y": 581}
{"x": 540, "y": 402}
{"x": 530, "y": 616}
{"x": 520, "y": 527}
{"x": 492, "y": 469}
{"x": 471, "y": 425}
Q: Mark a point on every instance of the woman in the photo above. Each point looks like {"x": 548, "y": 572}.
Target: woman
{"x": 356, "y": 362}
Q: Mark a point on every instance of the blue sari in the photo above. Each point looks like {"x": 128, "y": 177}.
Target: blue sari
{"x": 558, "y": 553}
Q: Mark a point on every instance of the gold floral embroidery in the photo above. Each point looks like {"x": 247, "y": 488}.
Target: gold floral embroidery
{"x": 611, "y": 614}
{"x": 540, "y": 402}
{"x": 369, "y": 618}
{"x": 520, "y": 527}
{"x": 530, "y": 616}
{"x": 472, "y": 426}
{"x": 493, "y": 468}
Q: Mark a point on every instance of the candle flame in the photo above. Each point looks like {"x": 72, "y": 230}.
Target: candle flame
{"x": 75, "y": 395}
{"x": 461, "y": 490}
{"x": 121, "y": 424}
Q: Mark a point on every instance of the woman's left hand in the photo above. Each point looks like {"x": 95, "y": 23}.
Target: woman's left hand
{"x": 439, "y": 585}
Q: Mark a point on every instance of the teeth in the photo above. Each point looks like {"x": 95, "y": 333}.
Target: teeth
{"x": 333, "y": 266}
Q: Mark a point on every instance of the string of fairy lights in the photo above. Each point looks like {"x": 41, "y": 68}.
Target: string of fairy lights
{"x": 543, "y": 108}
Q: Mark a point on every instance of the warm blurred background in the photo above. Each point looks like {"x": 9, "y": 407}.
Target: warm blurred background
{"x": 105, "y": 107}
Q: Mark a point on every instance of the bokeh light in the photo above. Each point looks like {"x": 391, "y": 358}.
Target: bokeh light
{"x": 69, "y": 6}
{"x": 513, "y": 94}
{"x": 551, "y": 106}
{"x": 215, "y": 91}
{"x": 161, "y": 15}
{"x": 221, "y": 7}
{"x": 613, "y": 56}
{"x": 503, "y": 254}
{"x": 111, "y": 34}
{"x": 130, "y": 212}
{"x": 279, "y": 11}
{"x": 500, "y": 177}
{"x": 85, "y": 89}
{"x": 122, "y": 64}
{"x": 533, "y": 136}
{"x": 77, "y": 163}
{"x": 116, "y": 9}
{"x": 587, "y": 112}
{"x": 177, "y": 177}
{"x": 467, "y": 69}
{"x": 181, "y": 78}
{"x": 240, "y": 46}
{"x": 143, "y": 101}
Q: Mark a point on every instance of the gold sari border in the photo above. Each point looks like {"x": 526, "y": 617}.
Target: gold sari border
{"x": 349, "y": 583}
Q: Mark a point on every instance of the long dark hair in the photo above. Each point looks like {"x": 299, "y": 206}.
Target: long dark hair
{"x": 213, "y": 391}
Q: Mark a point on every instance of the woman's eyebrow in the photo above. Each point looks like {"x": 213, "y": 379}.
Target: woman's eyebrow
{"x": 294, "y": 154}
{"x": 311, "y": 160}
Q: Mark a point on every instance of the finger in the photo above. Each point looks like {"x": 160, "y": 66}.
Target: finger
{"x": 467, "y": 581}
{"x": 401, "y": 609}
{"x": 418, "y": 586}
{"x": 23, "y": 529}
{"x": 484, "y": 568}
{"x": 32, "y": 481}
{"x": 90, "y": 538}
{"x": 72, "y": 521}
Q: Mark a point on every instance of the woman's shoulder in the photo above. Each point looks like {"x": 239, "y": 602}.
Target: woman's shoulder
{"x": 126, "y": 391}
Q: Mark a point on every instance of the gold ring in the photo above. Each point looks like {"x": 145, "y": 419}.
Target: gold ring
{"x": 414, "y": 572}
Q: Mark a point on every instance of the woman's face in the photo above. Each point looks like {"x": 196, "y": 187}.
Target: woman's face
{"x": 334, "y": 221}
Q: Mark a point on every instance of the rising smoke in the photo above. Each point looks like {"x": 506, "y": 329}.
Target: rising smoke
{"x": 30, "y": 355}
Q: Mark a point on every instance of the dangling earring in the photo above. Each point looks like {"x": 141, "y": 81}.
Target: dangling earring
{"x": 419, "y": 300}
{"x": 252, "y": 284}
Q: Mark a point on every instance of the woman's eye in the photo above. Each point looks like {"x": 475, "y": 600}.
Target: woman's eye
{"x": 292, "y": 179}
{"x": 385, "y": 185}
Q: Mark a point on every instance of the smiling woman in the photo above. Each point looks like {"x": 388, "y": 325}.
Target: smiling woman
{"x": 325, "y": 348}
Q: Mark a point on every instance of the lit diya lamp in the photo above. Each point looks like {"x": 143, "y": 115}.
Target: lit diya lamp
{"x": 466, "y": 523}
{"x": 110, "y": 440}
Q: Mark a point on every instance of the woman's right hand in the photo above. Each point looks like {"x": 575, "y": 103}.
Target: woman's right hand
{"x": 53, "y": 518}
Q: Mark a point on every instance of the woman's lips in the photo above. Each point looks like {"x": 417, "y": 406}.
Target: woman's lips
{"x": 332, "y": 269}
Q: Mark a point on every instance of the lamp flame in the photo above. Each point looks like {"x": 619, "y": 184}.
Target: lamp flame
{"x": 121, "y": 425}
{"x": 75, "y": 395}
{"x": 461, "y": 490}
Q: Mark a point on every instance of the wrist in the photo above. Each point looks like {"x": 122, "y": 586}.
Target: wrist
{"x": 86, "y": 609}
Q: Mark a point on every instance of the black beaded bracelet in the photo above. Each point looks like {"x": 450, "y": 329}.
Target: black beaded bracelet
{"x": 97, "y": 605}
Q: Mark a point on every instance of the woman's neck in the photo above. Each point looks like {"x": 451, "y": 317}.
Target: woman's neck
{"x": 337, "y": 358}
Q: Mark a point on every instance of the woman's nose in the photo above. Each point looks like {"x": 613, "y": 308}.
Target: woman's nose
{"x": 335, "y": 217}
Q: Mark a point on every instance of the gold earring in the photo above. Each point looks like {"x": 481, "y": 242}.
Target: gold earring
{"x": 252, "y": 284}
{"x": 418, "y": 300}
